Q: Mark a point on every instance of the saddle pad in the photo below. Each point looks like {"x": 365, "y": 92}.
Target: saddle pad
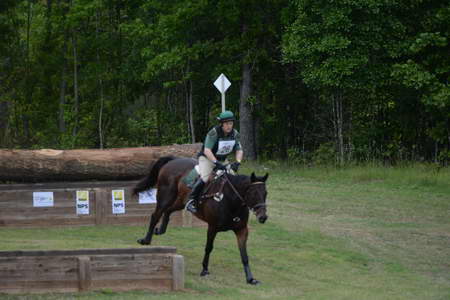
{"x": 190, "y": 178}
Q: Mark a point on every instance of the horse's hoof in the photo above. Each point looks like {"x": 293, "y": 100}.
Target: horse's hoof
{"x": 143, "y": 242}
{"x": 156, "y": 231}
{"x": 204, "y": 273}
{"x": 253, "y": 281}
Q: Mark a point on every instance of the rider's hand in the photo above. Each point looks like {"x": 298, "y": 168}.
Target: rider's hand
{"x": 219, "y": 165}
{"x": 235, "y": 166}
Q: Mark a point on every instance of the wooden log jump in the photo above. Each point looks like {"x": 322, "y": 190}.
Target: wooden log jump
{"x": 150, "y": 268}
{"x": 17, "y": 208}
{"x": 49, "y": 165}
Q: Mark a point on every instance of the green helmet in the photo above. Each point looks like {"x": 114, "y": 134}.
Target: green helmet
{"x": 226, "y": 116}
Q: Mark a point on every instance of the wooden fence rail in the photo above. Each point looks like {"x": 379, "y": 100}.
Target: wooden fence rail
{"x": 150, "y": 268}
{"x": 17, "y": 208}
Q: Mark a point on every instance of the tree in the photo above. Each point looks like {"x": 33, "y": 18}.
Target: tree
{"x": 342, "y": 49}
{"x": 424, "y": 67}
{"x": 8, "y": 53}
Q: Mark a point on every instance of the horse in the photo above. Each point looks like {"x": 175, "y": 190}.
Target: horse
{"x": 234, "y": 196}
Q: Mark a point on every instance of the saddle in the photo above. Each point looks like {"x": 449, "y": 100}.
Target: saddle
{"x": 212, "y": 189}
{"x": 190, "y": 178}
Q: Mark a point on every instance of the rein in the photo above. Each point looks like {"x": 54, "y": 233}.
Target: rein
{"x": 256, "y": 206}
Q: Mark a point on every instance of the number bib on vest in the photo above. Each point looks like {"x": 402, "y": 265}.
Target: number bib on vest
{"x": 225, "y": 147}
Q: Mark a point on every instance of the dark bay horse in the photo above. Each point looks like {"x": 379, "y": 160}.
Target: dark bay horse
{"x": 240, "y": 194}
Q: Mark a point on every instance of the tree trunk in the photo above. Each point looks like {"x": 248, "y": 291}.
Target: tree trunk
{"x": 100, "y": 115}
{"x": 246, "y": 121}
{"x": 4, "y": 123}
{"x": 62, "y": 94}
{"x": 350, "y": 147}
{"x": 87, "y": 164}
{"x": 191, "y": 112}
{"x": 338, "y": 126}
{"x": 100, "y": 82}
{"x": 25, "y": 119}
{"x": 75, "y": 85}
{"x": 436, "y": 151}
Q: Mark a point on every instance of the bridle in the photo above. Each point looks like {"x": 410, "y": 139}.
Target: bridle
{"x": 254, "y": 207}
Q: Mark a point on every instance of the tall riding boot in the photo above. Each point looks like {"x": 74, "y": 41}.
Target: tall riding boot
{"x": 194, "y": 196}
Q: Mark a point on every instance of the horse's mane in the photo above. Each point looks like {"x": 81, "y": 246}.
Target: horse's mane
{"x": 237, "y": 179}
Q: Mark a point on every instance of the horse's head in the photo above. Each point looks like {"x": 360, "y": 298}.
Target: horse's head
{"x": 255, "y": 197}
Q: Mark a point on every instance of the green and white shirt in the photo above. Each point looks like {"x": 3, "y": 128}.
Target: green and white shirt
{"x": 220, "y": 144}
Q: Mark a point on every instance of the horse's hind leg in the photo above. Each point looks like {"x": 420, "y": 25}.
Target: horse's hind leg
{"x": 166, "y": 218}
{"x": 153, "y": 221}
{"x": 178, "y": 205}
{"x": 164, "y": 197}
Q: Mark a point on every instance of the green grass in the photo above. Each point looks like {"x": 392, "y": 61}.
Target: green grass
{"x": 353, "y": 233}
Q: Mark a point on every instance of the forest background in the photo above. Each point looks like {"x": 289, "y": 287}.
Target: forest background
{"x": 312, "y": 81}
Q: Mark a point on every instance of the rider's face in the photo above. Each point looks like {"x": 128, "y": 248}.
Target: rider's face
{"x": 227, "y": 126}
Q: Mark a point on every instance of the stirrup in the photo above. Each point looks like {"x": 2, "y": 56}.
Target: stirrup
{"x": 190, "y": 206}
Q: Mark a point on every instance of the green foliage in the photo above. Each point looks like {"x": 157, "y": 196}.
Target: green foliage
{"x": 373, "y": 52}
{"x": 338, "y": 44}
{"x": 296, "y": 156}
{"x": 97, "y": 73}
{"x": 325, "y": 154}
{"x": 425, "y": 68}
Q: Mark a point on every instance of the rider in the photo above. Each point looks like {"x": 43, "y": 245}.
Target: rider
{"x": 220, "y": 141}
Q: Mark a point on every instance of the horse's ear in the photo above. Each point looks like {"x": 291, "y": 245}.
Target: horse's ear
{"x": 265, "y": 177}
{"x": 253, "y": 177}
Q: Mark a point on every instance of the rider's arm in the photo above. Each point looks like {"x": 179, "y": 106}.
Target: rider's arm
{"x": 209, "y": 155}
{"x": 238, "y": 147}
{"x": 210, "y": 141}
{"x": 239, "y": 155}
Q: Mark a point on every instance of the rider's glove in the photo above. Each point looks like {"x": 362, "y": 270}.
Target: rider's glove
{"x": 219, "y": 165}
{"x": 235, "y": 166}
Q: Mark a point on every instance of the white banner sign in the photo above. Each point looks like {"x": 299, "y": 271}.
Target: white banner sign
{"x": 42, "y": 199}
{"x": 148, "y": 196}
{"x": 82, "y": 202}
{"x": 118, "y": 201}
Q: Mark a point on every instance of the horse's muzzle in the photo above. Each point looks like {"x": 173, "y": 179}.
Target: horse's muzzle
{"x": 263, "y": 219}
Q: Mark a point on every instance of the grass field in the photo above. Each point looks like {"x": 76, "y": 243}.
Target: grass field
{"x": 355, "y": 233}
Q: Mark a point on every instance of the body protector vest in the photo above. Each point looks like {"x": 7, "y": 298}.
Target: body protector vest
{"x": 223, "y": 146}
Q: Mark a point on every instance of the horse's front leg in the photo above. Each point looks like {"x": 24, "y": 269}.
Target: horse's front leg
{"x": 212, "y": 232}
{"x": 242, "y": 235}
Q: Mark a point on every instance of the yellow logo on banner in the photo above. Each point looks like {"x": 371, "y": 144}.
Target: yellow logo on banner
{"x": 118, "y": 195}
{"x": 82, "y": 195}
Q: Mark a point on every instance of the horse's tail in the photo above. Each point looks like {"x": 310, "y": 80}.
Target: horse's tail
{"x": 150, "y": 180}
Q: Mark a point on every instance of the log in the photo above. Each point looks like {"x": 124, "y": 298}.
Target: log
{"x": 85, "y": 164}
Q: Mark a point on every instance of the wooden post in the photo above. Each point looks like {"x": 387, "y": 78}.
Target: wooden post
{"x": 100, "y": 203}
{"x": 84, "y": 273}
{"x": 177, "y": 272}
{"x": 186, "y": 218}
